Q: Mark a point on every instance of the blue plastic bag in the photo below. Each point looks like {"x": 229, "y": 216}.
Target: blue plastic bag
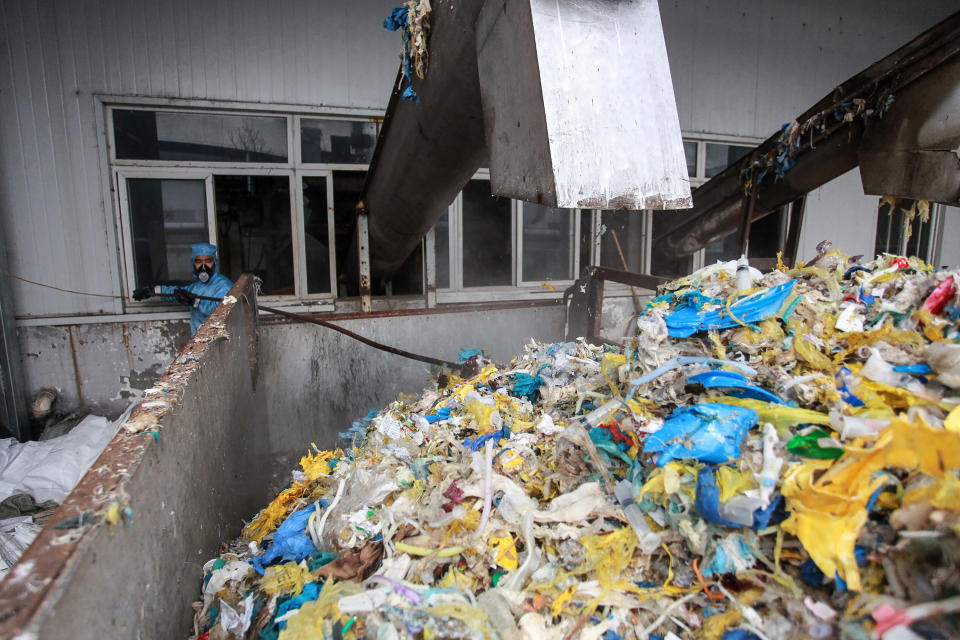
{"x": 688, "y": 320}
{"x": 736, "y": 385}
{"x": 709, "y": 432}
{"x": 707, "y": 501}
{"x": 291, "y": 543}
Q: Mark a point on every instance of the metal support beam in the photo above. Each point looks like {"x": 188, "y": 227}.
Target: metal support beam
{"x": 430, "y": 269}
{"x": 13, "y": 398}
{"x": 363, "y": 247}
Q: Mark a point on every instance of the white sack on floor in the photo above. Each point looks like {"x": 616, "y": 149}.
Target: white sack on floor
{"x": 49, "y": 470}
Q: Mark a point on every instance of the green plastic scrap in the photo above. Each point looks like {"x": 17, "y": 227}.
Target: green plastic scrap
{"x": 811, "y": 445}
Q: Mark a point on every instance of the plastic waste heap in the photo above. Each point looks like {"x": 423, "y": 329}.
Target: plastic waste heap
{"x": 772, "y": 456}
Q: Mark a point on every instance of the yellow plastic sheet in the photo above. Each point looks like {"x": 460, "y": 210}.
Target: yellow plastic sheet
{"x": 609, "y": 554}
{"x": 731, "y": 482}
{"x": 563, "y": 599}
{"x": 318, "y": 464}
{"x": 609, "y": 365}
{"x": 780, "y": 416}
{"x": 504, "y": 551}
{"x": 309, "y": 623}
{"x": 952, "y": 422}
{"x": 827, "y": 500}
{"x": 285, "y": 578}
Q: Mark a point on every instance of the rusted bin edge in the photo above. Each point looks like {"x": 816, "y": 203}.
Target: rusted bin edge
{"x": 177, "y": 478}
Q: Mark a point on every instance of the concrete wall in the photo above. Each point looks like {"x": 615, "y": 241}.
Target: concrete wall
{"x": 321, "y": 374}
{"x": 187, "y": 489}
{"x": 320, "y": 381}
{"x": 101, "y": 366}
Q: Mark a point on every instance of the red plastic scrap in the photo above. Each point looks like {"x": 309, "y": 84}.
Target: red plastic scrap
{"x": 618, "y": 435}
{"x": 940, "y": 296}
{"x": 900, "y": 263}
{"x": 454, "y": 494}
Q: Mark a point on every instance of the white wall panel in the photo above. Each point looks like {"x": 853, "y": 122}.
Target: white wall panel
{"x": 740, "y": 67}
{"x": 950, "y": 247}
{"x": 55, "y": 56}
{"x": 743, "y": 67}
{"x": 839, "y": 212}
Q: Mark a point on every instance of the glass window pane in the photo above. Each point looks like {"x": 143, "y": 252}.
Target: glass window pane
{"x": 253, "y": 229}
{"x": 212, "y": 137}
{"x": 661, "y": 263}
{"x": 548, "y": 236}
{"x": 723, "y": 249}
{"x": 316, "y": 237}
{"x": 622, "y": 241}
{"x": 586, "y": 240}
{"x": 487, "y": 243}
{"x": 347, "y": 187}
{"x": 442, "y": 247}
{"x": 690, "y": 151}
{"x": 721, "y": 156}
{"x": 166, "y": 217}
{"x": 337, "y": 141}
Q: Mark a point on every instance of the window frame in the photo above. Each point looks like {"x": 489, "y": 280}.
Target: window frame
{"x": 121, "y": 169}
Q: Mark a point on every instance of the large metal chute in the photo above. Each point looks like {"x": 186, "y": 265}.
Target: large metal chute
{"x": 574, "y": 101}
{"x": 578, "y": 104}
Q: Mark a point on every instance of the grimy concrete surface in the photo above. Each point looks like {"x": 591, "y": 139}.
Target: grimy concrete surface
{"x": 188, "y": 487}
{"x": 318, "y": 381}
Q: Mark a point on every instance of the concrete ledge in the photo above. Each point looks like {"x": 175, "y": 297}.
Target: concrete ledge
{"x": 185, "y": 468}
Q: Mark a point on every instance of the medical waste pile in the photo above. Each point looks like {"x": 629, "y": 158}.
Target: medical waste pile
{"x": 769, "y": 456}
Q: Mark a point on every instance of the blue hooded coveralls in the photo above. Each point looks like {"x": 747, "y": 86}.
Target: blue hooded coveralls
{"x": 216, "y": 287}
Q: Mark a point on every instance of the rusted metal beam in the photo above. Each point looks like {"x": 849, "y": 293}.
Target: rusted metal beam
{"x": 363, "y": 251}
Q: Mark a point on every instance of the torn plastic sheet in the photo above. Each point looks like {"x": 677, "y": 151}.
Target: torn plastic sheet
{"x": 688, "y": 320}
{"x": 709, "y": 432}
{"x": 736, "y": 385}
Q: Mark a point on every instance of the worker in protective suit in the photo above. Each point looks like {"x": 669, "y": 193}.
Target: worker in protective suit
{"x": 209, "y": 283}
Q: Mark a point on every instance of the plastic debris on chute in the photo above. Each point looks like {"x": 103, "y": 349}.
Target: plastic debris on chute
{"x": 688, "y": 320}
{"x": 771, "y": 455}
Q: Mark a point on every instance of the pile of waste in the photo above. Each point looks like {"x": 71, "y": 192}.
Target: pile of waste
{"x": 771, "y": 456}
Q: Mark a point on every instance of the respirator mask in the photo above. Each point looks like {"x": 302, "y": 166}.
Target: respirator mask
{"x": 203, "y": 273}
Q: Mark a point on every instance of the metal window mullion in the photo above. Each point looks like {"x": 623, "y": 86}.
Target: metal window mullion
{"x": 455, "y": 242}
{"x": 211, "y": 209}
{"x": 297, "y": 235}
{"x": 516, "y": 232}
{"x": 701, "y": 160}
{"x": 293, "y": 140}
{"x": 574, "y": 244}
{"x": 126, "y": 232}
{"x": 331, "y": 236}
{"x": 647, "y": 240}
{"x": 430, "y": 267}
{"x": 596, "y": 239}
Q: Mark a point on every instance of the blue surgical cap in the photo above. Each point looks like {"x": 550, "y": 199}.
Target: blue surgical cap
{"x": 203, "y": 249}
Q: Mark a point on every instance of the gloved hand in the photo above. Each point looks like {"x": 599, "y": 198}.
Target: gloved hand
{"x": 185, "y": 297}
{"x": 142, "y": 293}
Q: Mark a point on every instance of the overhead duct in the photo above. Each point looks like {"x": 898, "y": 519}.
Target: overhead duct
{"x": 578, "y": 106}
